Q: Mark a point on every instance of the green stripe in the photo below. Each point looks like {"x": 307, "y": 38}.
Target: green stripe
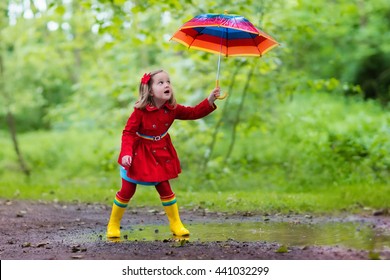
{"x": 168, "y": 203}
{"x": 122, "y": 205}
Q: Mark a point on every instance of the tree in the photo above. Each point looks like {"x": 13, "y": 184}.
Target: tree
{"x": 5, "y": 95}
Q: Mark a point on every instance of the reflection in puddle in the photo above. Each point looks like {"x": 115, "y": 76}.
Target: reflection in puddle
{"x": 347, "y": 234}
{"x": 350, "y": 235}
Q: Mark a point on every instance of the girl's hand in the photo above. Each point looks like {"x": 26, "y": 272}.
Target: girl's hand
{"x": 126, "y": 161}
{"x": 214, "y": 95}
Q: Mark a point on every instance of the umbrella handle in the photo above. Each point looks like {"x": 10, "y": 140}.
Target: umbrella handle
{"x": 225, "y": 94}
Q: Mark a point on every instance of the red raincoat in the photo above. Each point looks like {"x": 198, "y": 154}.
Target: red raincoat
{"x": 156, "y": 161}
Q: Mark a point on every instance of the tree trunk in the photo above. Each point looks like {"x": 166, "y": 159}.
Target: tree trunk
{"x": 11, "y": 122}
{"x": 12, "y": 130}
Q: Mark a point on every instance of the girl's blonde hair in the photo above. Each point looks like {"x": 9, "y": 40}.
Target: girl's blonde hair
{"x": 145, "y": 91}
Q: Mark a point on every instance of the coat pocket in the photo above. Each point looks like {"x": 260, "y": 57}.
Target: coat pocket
{"x": 162, "y": 155}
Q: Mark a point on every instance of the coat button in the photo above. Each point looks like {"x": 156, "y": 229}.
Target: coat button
{"x": 165, "y": 148}
{"x": 168, "y": 161}
{"x": 166, "y": 124}
{"x": 154, "y": 151}
{"x": 154, "y": 126}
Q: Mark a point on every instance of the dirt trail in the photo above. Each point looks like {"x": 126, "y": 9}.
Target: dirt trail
{"x": 41, "y": 231}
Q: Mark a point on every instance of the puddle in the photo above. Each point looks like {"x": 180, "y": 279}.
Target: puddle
{"x": 347, "y": 234}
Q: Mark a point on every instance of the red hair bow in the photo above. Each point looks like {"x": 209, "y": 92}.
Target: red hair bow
{"x": 145, "y": 79}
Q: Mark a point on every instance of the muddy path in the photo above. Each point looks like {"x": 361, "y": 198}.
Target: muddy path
{"x": 42, "y": 231}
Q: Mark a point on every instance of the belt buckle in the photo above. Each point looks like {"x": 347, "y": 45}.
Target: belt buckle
{"x": 157, "y": 138}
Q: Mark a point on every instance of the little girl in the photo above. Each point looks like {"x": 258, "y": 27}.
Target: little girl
{"x": 147, "y": 155}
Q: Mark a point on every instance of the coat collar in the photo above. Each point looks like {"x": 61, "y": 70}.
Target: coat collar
{"x": 166, "y": 105}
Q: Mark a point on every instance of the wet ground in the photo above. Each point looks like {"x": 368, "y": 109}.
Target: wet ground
{"x": 40, "y": 231}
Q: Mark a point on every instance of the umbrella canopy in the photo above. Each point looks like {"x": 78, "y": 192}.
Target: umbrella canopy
{"x": 224, "y": 34}
{"x": 228, "y": 35}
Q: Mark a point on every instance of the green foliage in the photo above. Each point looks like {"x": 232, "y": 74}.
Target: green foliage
{"x": 77, "y": 63}
{"x": 316, "y": 153}
{"x": 286, "y": 138}
{"x": 311, "y": 141}
{"x": 335, "y": 39}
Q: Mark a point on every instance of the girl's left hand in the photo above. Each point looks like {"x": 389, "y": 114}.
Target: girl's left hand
{"x": 214, "y": 95}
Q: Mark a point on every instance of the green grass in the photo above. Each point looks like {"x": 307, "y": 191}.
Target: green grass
{"x": 353, "y": 199}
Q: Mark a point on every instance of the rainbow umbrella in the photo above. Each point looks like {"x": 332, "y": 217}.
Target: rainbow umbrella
{"x": 224, "y": 34}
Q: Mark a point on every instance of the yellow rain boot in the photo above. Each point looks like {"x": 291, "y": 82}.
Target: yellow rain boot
{"x": 175, "y": 223}
{"x": 113, "y": 227}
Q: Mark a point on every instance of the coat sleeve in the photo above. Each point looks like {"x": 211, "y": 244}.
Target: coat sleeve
{"x": 192, "y": 113}
{"x": 129, "y": 134}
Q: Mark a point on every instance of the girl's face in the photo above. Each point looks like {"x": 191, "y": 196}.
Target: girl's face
{"x": 161, "y": 88}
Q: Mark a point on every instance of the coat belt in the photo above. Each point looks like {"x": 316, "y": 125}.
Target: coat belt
{"x": 152, "y": 138}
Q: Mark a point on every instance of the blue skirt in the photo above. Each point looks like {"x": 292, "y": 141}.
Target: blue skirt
{"x": 128, "y": 179}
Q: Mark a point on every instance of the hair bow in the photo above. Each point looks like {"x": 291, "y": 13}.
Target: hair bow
{"x": 145, "y": 79}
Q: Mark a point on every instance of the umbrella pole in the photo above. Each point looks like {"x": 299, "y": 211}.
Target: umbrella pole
{"x": 217, "y": 80}
{"x": 219, "y": 65}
